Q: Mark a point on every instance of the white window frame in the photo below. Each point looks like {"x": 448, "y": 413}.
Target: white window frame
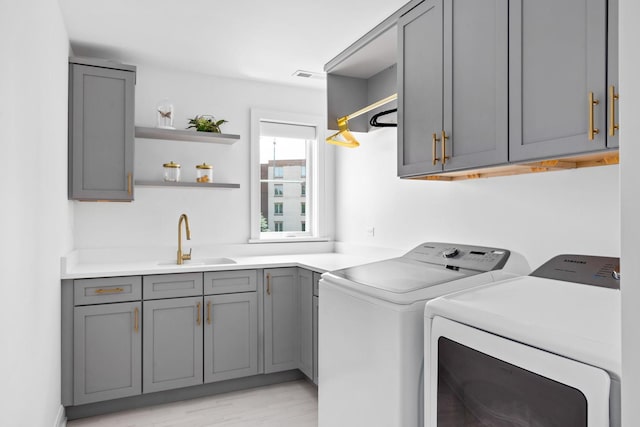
{"x": 315, "y": 188}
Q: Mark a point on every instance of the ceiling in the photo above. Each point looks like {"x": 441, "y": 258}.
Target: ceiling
{"x": 258, "y": 40}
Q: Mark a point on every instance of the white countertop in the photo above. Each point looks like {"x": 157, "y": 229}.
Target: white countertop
{"x": 319, "y": 262}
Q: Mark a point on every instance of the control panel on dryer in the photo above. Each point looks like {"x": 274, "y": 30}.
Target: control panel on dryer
{"x": 457, "y": 256}
{"x": 584, "y": 269}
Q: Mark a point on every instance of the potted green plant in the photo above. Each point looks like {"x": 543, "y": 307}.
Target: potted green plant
{"x": 206, "y": 123}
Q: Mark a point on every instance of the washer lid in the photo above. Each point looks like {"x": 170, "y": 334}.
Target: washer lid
{"x": 401, "y": 275}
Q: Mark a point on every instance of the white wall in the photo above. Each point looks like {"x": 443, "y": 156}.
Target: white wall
{"x": 630, "y": 198}
{"x": 217, "y": 216}
{"x": 538, "y": 215}
{"x": 35, "y": 214}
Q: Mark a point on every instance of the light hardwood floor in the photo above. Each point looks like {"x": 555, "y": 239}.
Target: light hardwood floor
{"x": 291, "y": 404}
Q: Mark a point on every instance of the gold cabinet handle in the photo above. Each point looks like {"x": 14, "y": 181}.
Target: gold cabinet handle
{"x": 444, "y": 147}
{"x": 109, "y": 291}
{"x": 136, "y": 325}
{"x": 268, "y": 283}
{"x": 592, "y": 106}
{"x": 198, "y": 320}
{"x": 613, "y": 97}
{"x": 129, "y": 183}
{"x": 434, "y": 144}
{"x": 209, "y": 312}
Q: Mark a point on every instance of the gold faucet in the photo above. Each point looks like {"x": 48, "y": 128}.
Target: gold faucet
{"x": 182, "y": 257}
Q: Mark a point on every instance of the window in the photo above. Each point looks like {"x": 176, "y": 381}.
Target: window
{"x": 287, "y": 161}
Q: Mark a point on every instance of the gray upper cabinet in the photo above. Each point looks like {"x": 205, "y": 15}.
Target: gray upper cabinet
{"x": 101, "y": 130}
{"x": 557, "y": 57}
{"x": 230, "y": 336}
{"x": 107, "y": 352}
{"x": 305, "y": 314}
{"x": 453, "y": 86}
{"x": 172, "y": 343}
{"x": 281, "y": 334}
{"x": 420, "y": 95}
{"x": 612, "y": 76}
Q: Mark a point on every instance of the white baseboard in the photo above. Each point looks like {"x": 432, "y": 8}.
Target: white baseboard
{"x": 61, "y": 419}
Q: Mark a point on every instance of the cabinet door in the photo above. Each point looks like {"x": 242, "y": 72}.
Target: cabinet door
{"x": 305, "y": 315}
{"x": 230, "y": 336}
{"x": 315, "y": 339}
{"x": 107, "y": 352}
{"x": 557, "y": 56}
{"x": 281, "y": 319}
{"x": 101, "y": 133}
{"x": 420, "y": 94}
{"x": 612, "y": 75}
{"x": 476, "y": 83}
{"x": 172, "y": 343}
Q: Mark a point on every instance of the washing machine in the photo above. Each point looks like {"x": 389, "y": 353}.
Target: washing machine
{"x": 370, "y": 329}
{"x": 540, "y": 350}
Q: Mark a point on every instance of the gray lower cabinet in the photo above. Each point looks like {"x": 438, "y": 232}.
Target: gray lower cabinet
{"x": 107, "y": 352}
{"x": 316, "y": 300}
{"x": 172, "y": 343}
{"x": 557, "y": 57}
{"x": 281, "y": 333}
{"x": 101, "y": 130}
{"x": 230, "y": 336}
{"x": 305, "y": 314}
{"x": 453, "y": 86}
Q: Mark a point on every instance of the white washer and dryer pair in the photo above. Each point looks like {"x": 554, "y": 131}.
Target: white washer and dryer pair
{"x": 535, "y": 351}
{"x": 371, "y": 329}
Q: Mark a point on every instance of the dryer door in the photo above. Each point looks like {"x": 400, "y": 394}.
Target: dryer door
{"x": 480, "y": 379}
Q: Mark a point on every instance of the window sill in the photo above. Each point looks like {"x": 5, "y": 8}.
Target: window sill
{"x": 290, "y": 240}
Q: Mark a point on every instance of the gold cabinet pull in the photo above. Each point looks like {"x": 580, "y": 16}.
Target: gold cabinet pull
{"x": 434, "y": 144}
{"x": 136, "y": 325}
{"x": 129, "y": 183}
{"x": 209, "y": 312}
{"x": 198, "y": 320}
{"x": 613, "y": 97}
{"x": 109, "y": 291}
{"x": 268, "y": 283}
{"x": 444, "y": 147}
{"x": 592, "y": 106}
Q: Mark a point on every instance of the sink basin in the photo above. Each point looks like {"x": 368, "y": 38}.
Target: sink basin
{"x": 200, "y": 261}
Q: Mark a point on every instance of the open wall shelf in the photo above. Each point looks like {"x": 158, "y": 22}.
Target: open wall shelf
{"x": 185, "y": 135}
{"x": 186, "y": 184}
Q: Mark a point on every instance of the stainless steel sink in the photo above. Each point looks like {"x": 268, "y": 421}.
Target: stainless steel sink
{"x": 200, "y": 261}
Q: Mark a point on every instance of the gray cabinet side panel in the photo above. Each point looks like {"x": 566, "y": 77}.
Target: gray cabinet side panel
{"x": 476, "y": 82}
{"x": 281, "y": 320}
{"x": 172, "y": 343}
{"x": 305, "y": 315}
{"x": 102, "y": 132}
{"x": 231, "y": 336}
{"x": 557, "y": 54}
{"x": 66, "y": 334}
{"x": 380, "y": 86}
{"x": 315, "y": 339}
{"x": 612, "y": 69}
{"x": 346, "y": 95}
{"x": 420, "y": 94}
{"x": 107, "y": 352}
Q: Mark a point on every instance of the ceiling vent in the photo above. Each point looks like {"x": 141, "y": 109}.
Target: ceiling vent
{"x": 309, "y": 74}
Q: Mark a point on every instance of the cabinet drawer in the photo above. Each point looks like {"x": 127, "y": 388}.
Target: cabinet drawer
{"x": 226, "y": 282}
{"x": 108, "y": 289}
{"x": 172, "y": 285}
{"x": 316, "y": 284}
